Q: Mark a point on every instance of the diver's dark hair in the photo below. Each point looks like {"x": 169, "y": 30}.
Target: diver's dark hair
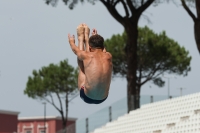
{"x": 96, "y": 41}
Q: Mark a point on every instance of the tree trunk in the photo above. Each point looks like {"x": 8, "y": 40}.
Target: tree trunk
{"x": 63, "y": 122}
{"x": 197, "y": 33}
{"x": 197, "y": 25}
{"x": 131, "y": 55}
{"x": 65, "y": 118}
{"x": 66, "y": 111}
{"x": 137, "y": 97}
{"x": 130, "y": 24}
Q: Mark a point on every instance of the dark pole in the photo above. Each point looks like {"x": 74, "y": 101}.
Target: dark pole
{"x": 151, "y": 99}
{"x": 87, "y": 125}
{"x": 110, "y": 114}
{"x": 169, "y": 97}
{"x": 168, "y": 88}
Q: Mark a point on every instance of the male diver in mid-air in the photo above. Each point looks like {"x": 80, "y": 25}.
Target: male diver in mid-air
{"x": 95, "y": 65}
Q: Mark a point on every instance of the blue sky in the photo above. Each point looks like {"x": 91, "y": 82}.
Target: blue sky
{"x": 33, "y": 35}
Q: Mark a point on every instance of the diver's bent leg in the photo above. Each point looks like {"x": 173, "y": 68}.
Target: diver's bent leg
{"x": 87, "y": 32}
{"x": 81, "y": 75}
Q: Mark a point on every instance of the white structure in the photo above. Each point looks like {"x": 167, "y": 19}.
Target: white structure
{"x": 177, "y": 115}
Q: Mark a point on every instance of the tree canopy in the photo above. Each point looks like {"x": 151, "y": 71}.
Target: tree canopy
{"x": 54, "y": 81}
{"x": 157, "y": 54}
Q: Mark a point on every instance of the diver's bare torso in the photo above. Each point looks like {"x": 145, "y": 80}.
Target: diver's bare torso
{"x": 98, "y": 71}
{"x": 95, "y": 64}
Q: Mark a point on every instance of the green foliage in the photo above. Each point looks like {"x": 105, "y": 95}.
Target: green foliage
{"x": 71, "y": 3}
{"x": 60, "y": 79}
{"x": 190, "y": 2}
{"x": 116, "y": 46}
{"x": 159, "y": 82}
{"x": 136, "y": 3}
{"x": 157, "y": 54}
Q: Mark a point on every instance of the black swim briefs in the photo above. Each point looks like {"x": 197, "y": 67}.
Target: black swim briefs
{"x": 89, "y": 100}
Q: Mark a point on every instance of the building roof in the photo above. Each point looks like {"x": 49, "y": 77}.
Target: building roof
{"x": 42, "y": 118}
{"x": 9, "y": 112}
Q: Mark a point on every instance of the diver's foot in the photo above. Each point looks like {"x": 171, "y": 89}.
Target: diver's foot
{"x": 87, "y": 32}
{"x": 80, "y": 31}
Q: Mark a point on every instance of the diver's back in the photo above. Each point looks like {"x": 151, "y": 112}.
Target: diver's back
{"x": 98, "y": 71}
